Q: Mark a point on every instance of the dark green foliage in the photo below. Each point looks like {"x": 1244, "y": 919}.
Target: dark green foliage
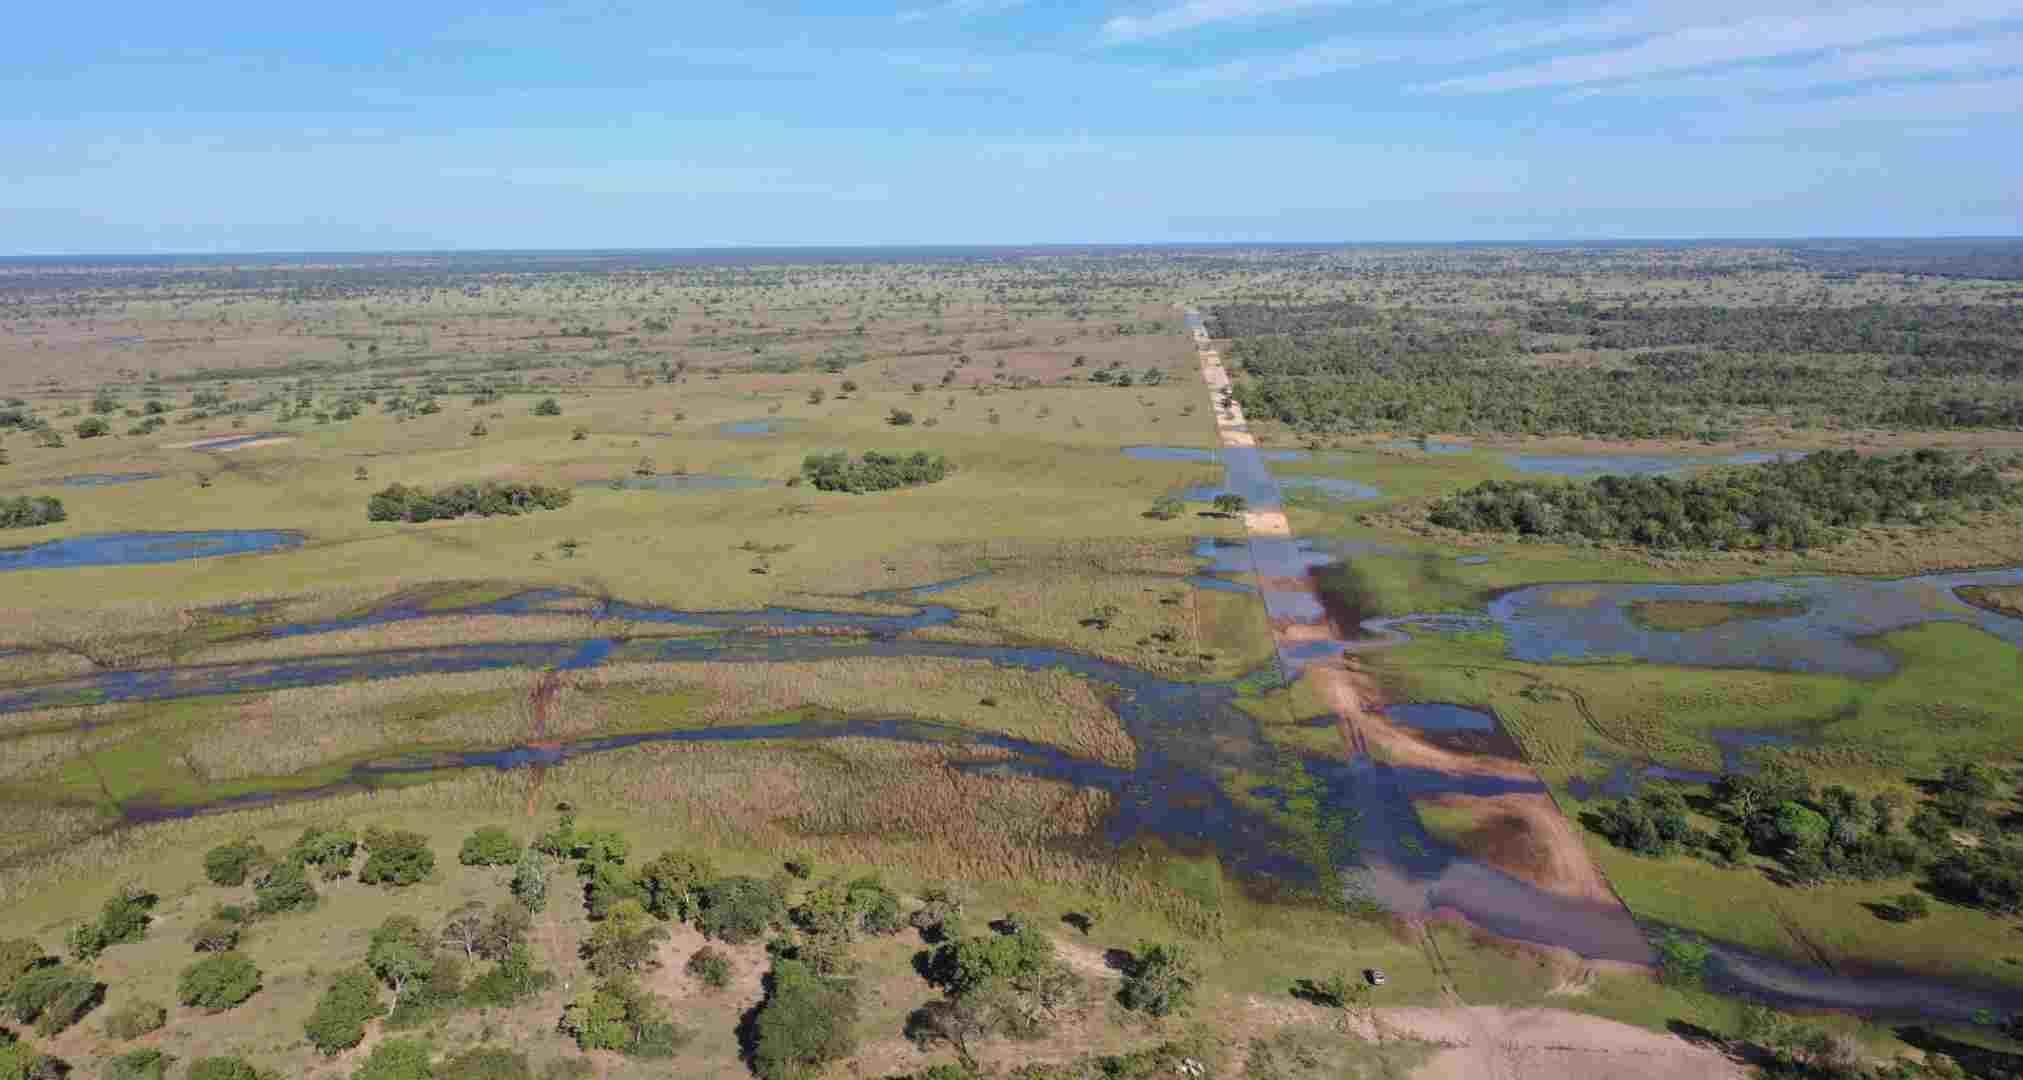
{"x": 618, "y": 1015}
{"x": 1652, "y": 824}
{"x": 148, "y": 1064}
{"x": 54, "y": 997}
{"x": 222, "y": 1068}
{"x": 740, "y": 909}
{"x": 1342, "y": 367}
{"x": 396, "y": 1059}
{"x": 286, "y": 887}
{"x": 338, "y": 1022}
{"x": 805, "y": 1022}
{"x": 1229, "y": 503}
{"x": 709, "y": 966}
{"x": 19, "y": 1061}
{"x": 875, "y": 471}
{"x": 396, "y": 858}
{"x": 511, "y": 980}
{"x": 1682, "y": 961}
{"x": 27, "y": 511}
{"x": 215, "y": 935}
{"x": 17, "y": 957}
{"x": 862, "y": 906}
{"x": 964, "y": 964}
{"x": 899, "y": 418}
{"x": 530, "y": 880}
{"x": 671, "y": 885}
{"x": 547, "y": 407}
{"x": 122, "y": 920}
{"x": 218, "y": 982}
{"x": 331, "y": 850}
{"x": 400, "y": 953}
{"x": 489, "y": 846}
{"x": 135, "y": 1020}
{"x": 228, "y": 864}
{"x": 91, "y": 427}
{"x": 493, "y": 498}
{"x": 1161, "y": 980}
{"x": 486, "y": 1063}
{"x": 627, "y": 940}
{"x": 1989, "y": 877}
{"x": 1782, "y": 505}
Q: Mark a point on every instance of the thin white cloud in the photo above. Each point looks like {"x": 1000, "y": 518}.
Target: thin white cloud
{"x": 1345, "y": 54}
{"x": 1757, "y": 38}
{"x": 958, "y": 9}
{"x": 1958, "y": 105}
{"x": 1198, "y": 13}
{"x": 1951, "y": 60}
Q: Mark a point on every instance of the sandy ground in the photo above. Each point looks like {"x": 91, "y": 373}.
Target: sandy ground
{"x": 1368, "y": 730}
{"x": 1526, "y": 836}
{"x": 1496, "y": 1043}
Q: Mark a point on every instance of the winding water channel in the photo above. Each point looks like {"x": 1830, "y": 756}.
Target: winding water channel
{"x": 1195, "y": 745}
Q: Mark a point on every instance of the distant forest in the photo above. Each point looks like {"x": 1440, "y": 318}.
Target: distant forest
{"x": 1786, "y": 505}
{"x": 1686, "y": 371}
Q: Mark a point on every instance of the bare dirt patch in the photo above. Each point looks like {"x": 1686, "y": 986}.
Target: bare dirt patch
{"x": 1495, "y": 1043}
{"x": 1524, "y": 835}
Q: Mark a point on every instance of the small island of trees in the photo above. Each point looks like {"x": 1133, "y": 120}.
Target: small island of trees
{"x": 28, "y": 511}
{"x": 399, "y": 502}
{"x": 874, "y": 471}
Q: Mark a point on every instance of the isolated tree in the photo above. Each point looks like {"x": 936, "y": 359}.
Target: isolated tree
{"x": 1230, "y": 504}
{"x": 396, "y": 858}
{"x": 400, "y": 953}
{"x": 627, "y": 940}
{"x": 547, "y": 407}
{"x": 338, "y": 1022}
{"x": 1161, "y": 980}
{"x": 229, "y": 864}
{"x": 218, "y": 982}
{"x": 490, "y": 845}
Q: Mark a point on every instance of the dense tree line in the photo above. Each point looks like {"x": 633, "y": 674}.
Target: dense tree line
{"x": 399, "y": 502}
{"x": 1956, "y": 838}
{"x": 1348, "y": 367}
{"x": 874, "y": 471}
{"x": 1788, "y": 504}
{"x": 27, "y": 511}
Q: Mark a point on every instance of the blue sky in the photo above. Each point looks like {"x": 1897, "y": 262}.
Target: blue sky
{"x": 591, "y": 123}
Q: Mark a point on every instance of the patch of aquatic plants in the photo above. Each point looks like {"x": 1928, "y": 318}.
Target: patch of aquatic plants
{"x": 1783, "y": 505}
{"x": 399, "y": 502}
{"x": 875, "y": 471}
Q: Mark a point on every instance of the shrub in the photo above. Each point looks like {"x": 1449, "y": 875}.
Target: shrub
{"x": 222, "y": 1068}
{"x": 396, "y": 858}
{"x": 135, "y": 1020}
{"x": 530, "y": 880}
{"x": 148, "y": 1064}
{"x": 91, "y": 427}
{"x": 1682, "y": 961}
{"x": 28, "y": 511}
{"x": 875, "y": 471}
{"x": 489, "y": 846}
{"x": 671, "y": 885}
{"x": 338, "y": 1022}
{"x": 54, "y": 997}
{"x": 228, "y": 864}
{"x": 804, "y": 1024}
{"x": 215, "y": 935}
{"x": 284, "y": 888}
{"x": 1229, "y": 503}
{"x": 1161, "y": 981}
{"x": 899, "y": 418}
{"x": 710, "y": 967}
{"x": 329, "y": 849}
{"x": 486, "y": 1063}
{"x": 17, "y": 957}
{"x": 398, "y": 502}
{"x": 219, "y": 982}
{"x": 739, "y": 909}
{"x": 626, "y": 940}
{"x": 618, "y": 1015}
{"x": 395, "y": 1059}
{"x": 547, "y": 407}
{"x": 510, "y": 981}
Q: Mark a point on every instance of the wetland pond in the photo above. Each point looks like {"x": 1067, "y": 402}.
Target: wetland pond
{"x": 142, "y": 548}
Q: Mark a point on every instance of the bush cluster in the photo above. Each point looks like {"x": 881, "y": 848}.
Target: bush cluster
{"x": 1782, "y": 505}
{"x": 28, "y": 511}
{"x": 874, "y": 471}
{"x": 399, "y": 502}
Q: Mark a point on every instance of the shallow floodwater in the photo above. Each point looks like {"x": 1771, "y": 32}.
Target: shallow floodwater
{"x": 684, "y": 482}
{"x": 1836, "y": 615}
{"x": 1430, "y": 446}
{"x": 231, "y": 442}
{"x": 1438, "y": 716}
{"x": 132, "y": 549}
{"x": 750, "y": 427}
{"x": 1584, "y": 465}
{"x": 88, "y": 480}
